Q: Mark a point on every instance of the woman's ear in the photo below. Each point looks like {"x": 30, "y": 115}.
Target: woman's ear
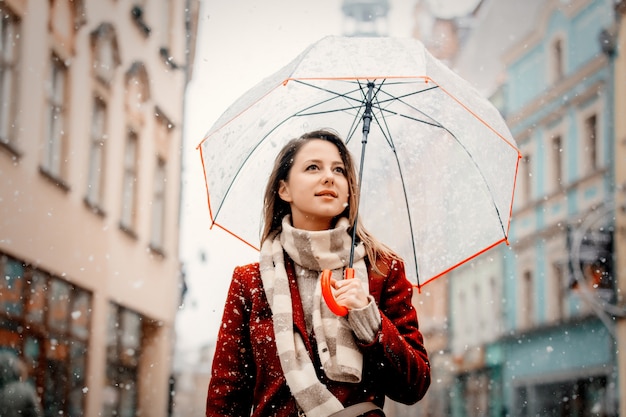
{"x": 283, "y": 191}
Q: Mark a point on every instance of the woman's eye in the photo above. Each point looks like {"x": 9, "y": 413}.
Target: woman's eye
{"x": 340, "y": 170}
{"x": 311, "y": 167}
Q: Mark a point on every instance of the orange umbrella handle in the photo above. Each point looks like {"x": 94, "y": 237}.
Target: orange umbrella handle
{"x": 327, "y": 292}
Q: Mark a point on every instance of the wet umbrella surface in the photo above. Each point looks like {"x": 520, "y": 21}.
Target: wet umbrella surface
{"x": 438, "y": 167}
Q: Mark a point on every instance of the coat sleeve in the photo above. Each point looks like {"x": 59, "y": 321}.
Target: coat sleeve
{"x": 232, "y": 374}
{"x": 399, "y": 345}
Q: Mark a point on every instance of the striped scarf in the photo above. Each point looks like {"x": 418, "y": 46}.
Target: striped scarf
{"x": 340, "y": 356}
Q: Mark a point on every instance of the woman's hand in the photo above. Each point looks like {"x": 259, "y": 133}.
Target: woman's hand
{"x": 349, "y": 293}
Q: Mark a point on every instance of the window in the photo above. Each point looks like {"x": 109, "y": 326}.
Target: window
{"x": 9, "y": 75}
{"x": 527, "y": 312}
{"x": 556, "y": 291}
{"x": 105, "y": 60}
{"x": 463, "y": 309}
{"x": 570, "y": 397}
{"x": 556, "y": 59}
{"x": 137, "y": 91}
{"x": 528, "y": 178}
{"x": 158, "y": 206}
{"x": 46, "y": 321}
{"x": 479, "y": 322}
{"x": 55, "y": 135}
{"x": 163, "y": 142}
{"x": 590, "y": 144}
{"x": 495, "y": 300}
{"x": 525, "y": 180}
{"x": 557, "y": 162}
{"x": 65, "y": 18}
{"x": 96, "y": 173}
{"x": 129, "y": 183}
{"x": 124, "y": 337}
{"x": 105, "y": 53}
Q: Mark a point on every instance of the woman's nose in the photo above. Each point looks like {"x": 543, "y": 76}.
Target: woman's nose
{"x": 328, "y": 177}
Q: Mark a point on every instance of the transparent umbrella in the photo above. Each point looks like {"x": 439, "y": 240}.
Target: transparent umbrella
{"x": 437, "y": 162}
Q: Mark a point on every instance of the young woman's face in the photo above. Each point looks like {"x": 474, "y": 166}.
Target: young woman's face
{"x": 316, "y": 187}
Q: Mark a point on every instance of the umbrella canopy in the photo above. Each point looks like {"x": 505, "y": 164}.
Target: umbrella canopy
{"x": 438, "y": 169}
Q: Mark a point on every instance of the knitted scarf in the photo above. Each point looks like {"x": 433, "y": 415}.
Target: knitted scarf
{"x": 340, "y": 356}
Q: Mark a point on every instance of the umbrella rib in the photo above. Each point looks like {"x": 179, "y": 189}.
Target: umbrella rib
{"x": 389, "y": 138}
{"x": 469, "y": 154}
{"x": 391, "y": 99}
{"x": 399, "y": 98}
{"x": 336, "y": 94}
{"x": 480, "y": 172}
{"x": 245, "y": 160}
{"x": 439, "y": 125}
{"x": 359, "y": 104}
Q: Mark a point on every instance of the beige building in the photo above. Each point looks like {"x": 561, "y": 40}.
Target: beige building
{"x": 90, "y": 165}
{"x": 620, "y": 194}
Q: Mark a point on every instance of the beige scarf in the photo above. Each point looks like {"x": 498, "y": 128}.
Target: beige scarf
{"x": 337, "y": 349}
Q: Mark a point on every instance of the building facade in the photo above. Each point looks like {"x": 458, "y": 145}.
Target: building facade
{"x": 90, "y": 163}
{"x": 550, "y": 347}
{"x": 558, "y": 349}
{"x": 620, "y": 191}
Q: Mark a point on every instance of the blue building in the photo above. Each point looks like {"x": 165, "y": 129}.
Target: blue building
{"x": 547, "y": 345}
{"x": 557, "y": 351}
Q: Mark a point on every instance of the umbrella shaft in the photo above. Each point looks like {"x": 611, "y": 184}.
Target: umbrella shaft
{"x": 367, "y": 115}
{"x": 367, "y": 119}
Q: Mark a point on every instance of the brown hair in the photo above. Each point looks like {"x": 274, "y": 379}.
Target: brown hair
{"x": 274, "y": 208}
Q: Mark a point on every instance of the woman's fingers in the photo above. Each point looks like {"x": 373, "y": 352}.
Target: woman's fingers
{"x": 350, "y": 293}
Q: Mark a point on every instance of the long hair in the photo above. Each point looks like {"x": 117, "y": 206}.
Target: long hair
{"x": 275, "y": 209}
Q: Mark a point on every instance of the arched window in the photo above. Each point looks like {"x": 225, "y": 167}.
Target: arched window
{"x": 105, "y": 61}
{"x": 556, "y": 58}
{"x": 105, "y": 53}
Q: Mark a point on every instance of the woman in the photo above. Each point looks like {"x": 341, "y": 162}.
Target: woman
{"x": 280, "y": 351}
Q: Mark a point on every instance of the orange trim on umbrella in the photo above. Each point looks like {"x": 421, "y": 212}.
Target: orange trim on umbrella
{"x": 477, "y": 117}
{"x": 236, "y": 116}
{"x": 206, "y": 185}
{"x": 236, "y": 236}
{"x": 426, "y": 79}
{"x": 519, "y": 158}
{"x": 419, "y": 285}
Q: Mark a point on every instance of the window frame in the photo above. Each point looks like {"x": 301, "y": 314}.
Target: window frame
{"x": 159, "y": 209}
{"x": 96, "y": 162}
{"x": 557, "y": 58}
{"x": 10, "y": 62}
{"x": 123, "y": 357}
{"x": 130, "y": 183}
{"x": 56, "y": 136}
{"x": 594, "y": 109}
{"x": 40, "y": 346}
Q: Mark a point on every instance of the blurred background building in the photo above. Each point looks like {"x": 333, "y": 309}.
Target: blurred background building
{"x": 91, "y": 127}
{"x": 541, "y": 338}
{"x": 619, "y": 255}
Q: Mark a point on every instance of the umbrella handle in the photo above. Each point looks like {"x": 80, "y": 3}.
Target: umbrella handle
{"x": 327, "y": 292}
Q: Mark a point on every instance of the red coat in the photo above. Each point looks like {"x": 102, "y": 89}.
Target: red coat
{"x": 247, "y": 378}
